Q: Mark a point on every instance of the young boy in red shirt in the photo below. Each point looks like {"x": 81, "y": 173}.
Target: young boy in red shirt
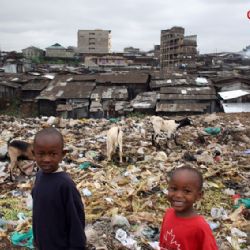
{"x": 182, "y": 228}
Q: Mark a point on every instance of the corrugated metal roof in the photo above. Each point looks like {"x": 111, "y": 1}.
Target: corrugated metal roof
{"x": 188, "y": 90}
{"x": 226, "y": 95}
{"x": 80, "y": 78}
{"x": 121, "y": 78}
{"x": 118, "y": 93}
{"x": 78, "y": 90}
{"x": 236, "y": 107}
{"x": 230, "y": 80}
{"x": 187, "y": 97}
{"x": 185, "y": 80}
{"x": 35, "y": 85}
{"x": 146, "y": 100}
{"x": 61, "y": 87}
{"x": 181, "y": 107}
{"x": 11, "y": 84}
{"x": 123, "y": 106}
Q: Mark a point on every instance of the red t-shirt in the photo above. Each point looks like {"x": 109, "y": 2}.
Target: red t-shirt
{"x": 178, "y": 233}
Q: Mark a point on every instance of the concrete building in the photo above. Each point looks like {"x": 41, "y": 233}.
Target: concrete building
{"x": 177, "y": 50}
{"x": 131, "y": 51}
{"x": 94, "y": 41}
{"x": 58, "y": 51}
{"x": 32, "y": 52}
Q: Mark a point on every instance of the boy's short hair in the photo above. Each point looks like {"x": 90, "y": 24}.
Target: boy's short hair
{"x": 191, "y": 169}
{"x": 49, "y": 131}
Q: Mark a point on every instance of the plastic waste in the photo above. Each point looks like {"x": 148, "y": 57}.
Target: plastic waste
{"x": 149, "y": 232}
{"x": 3, "y": 150}
{"x": 236, "y": 232}
{"x": 219, "y": 213}
{"x": 126, "y": 240}
{"x": 229, "y": 191}
{"x": 246, "y": 152}
{"x": 29, "y": 201}
{"x": 212, "y": 130}
{"x": 154, "y": 245}
{"x": 114, "y": 120}
{"x": 109, "y": 200}
{"x": 16, "y": 193}
{"x": 244, "y": 201}
{"x": 21, "y": 216}
{"x": 121, "y": 235}
{"x": 23, "y": 239}
{"x": 213, "y": 225}
{"x": 85, "y": 165}
{"x": 119, "y": 220}
{"x": 86, "y": 192}
{"x": 92, "y": 155}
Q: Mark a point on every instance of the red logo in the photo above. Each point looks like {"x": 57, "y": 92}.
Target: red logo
{"x": 248, "y": 14}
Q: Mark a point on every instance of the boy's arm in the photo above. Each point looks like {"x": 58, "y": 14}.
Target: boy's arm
{"x": 208, "y": 240}
{"x": 75, "y": 220}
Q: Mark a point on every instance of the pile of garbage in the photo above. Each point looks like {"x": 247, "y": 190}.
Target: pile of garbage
{"x": 125, "y": 202}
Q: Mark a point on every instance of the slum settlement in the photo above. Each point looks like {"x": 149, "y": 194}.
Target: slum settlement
{"x": 84, "y": 94}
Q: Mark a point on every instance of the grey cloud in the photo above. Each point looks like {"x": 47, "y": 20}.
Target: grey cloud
{"x": 219, "y": 24}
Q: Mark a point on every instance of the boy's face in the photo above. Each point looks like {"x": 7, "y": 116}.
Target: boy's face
{"x": 183, "y": 192}
{"x": 48, "y": 151}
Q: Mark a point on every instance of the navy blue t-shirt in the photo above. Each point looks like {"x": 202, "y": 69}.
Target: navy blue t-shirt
{"x": 58, "y": 213}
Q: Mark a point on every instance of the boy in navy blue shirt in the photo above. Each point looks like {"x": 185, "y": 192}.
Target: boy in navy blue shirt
{"x": 58, "y": 212}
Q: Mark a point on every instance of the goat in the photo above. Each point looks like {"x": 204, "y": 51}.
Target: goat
{"x": 168, "y": 126}
{"x": 18, "y": 150}
{"x": 114, "y": 139}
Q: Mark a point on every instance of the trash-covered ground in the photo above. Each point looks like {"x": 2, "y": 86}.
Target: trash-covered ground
{"x": 125, "y": 202}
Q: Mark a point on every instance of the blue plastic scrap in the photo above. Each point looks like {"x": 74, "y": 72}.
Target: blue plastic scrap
{"x": 23, "y": 239}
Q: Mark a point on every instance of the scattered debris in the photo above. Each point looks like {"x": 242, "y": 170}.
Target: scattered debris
{"x": 125, "y": 202}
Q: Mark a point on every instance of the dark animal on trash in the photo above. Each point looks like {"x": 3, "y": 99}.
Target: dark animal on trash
{"x": 114, "y": 140}
{"x": 167, "y": 126}
{"x": 19, "y": 150}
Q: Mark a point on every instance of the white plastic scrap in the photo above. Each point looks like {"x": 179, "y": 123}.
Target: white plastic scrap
{"x": 119, "y": 220}
{"x": 109, "y": 200}
{"x": 86, "y": 192}
{"x": 229, "y": 191}
{"x": 155, "y": 245}
{"x": 219, "y": 213}
{"x": 213, "y": 225}
{"x": 201, "y": 80}
{"x": 126, "y": 240}
{"x": 236, "y": 232}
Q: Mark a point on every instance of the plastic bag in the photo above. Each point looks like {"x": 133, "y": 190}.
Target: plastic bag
{"x": 23, "y": 239}
{"x": 244, "y": 201}
{"x": 212, "y": 131}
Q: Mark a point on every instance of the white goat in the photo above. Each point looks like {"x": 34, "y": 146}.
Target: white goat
{"x": 114, "y": 139}
{"x": 167, "y": 126}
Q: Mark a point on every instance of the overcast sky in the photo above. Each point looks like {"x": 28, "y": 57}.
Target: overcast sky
{"x": 220, "y": 25}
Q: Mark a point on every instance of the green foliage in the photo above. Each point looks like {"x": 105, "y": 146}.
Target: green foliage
{"x": 36, "y": 59}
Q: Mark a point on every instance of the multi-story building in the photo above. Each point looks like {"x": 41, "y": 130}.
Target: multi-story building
{"x": 176, "y": 49}
{"x": 58, "y": 51}
{"x": 94, "y": 41}
{"x": 32, "y": 52}
{"x": 131, "y": 51}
